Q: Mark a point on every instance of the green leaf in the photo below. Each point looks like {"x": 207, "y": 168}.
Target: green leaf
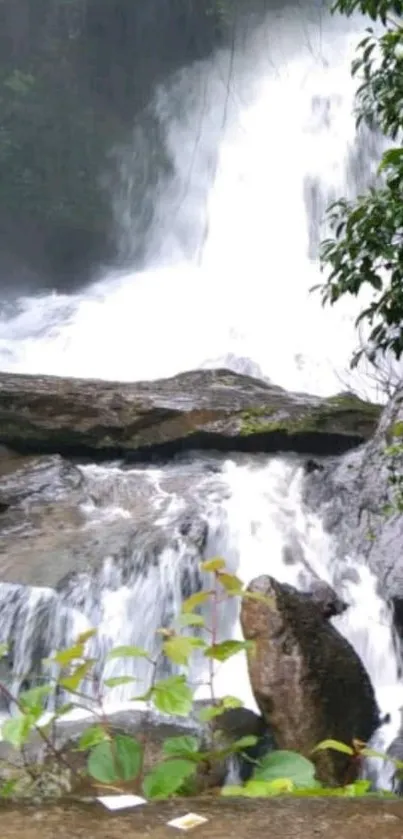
{"x": 260, "y": 789}
{"x": 65, "y": 657}
{"x": 257, "y": 595}
{"x": 231, "y": 583}
{"x": 357, "y": 789}
{"x": 73, "y": 681}
{"x": 227, "y": 649}
{"x": 173, "y": 696}
{"x": 180, "y": 647}
{"x": 244, "y": 743}
{"x": 116, "y": 681}
{"x": 128, "y": 652}
{"x": 180, "y": 746}
{"x": 7, "y": 789}
{"x": 188, "y": 619}
{"x": 231, "y": 702}
{"x": 396, "y": 431}
{"x": 17, "y": 730}
{"x": 167, "y": 778}
{"x": 119, "y": 759}
{"x": 335, "y": 746}
{"x": 3, "y": 650}
{"x": 92, "y": 737}
{"x": 34, "y": 699}
{"x": 286, "y": 764}
{"x": 85, "y": 636}
{"x": 195, "y": 600}
{"x": 392, "y": 157}
{"x": 207, "y": 714}
{"x": 215, "y": 564}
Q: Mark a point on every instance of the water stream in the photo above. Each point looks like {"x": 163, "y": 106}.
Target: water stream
{"x": 260, "y": 139}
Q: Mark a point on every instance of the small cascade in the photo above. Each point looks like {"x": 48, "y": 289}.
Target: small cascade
{"x": 251, "y": 512}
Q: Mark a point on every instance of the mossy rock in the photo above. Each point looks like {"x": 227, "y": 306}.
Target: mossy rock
{"x": 343, "y": 414}
{"x": 200, "y": 409}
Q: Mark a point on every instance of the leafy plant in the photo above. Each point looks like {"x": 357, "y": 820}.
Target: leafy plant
{"x": 366, "y": 248}
{"x": 114, "y": 759}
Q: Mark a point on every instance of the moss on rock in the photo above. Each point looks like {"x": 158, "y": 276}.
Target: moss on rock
{"x": 341, "y": 414}
{"x": 202, "y": 408}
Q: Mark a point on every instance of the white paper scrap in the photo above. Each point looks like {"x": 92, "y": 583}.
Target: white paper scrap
{"x": 119, "y": 802}
{"x": 187, "y": 822}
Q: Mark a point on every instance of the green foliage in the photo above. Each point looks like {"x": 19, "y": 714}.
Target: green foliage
{"x": 167, "y": 778}
{"x": 216, "y": 564}
{"x": 218, "y": 708}
{"x": 16, "y": 731}
{"x": 366, "y": 246}
{"x": 128, "y": 652}
{"x": 185, "y": 746}
{"x": 118, "y": 759}
{"x": 336, "y": 746}
{"x": 173, "y": 696}
{"x": 289, "y": 765}
{"x": 91, "y": 737}
{"x": 179, "y": 648}
{"x": 227, "y": 649}
{"x": 195, "y": 600}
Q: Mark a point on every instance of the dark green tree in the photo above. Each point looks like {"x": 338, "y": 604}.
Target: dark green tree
{"x": 366, "y": 245}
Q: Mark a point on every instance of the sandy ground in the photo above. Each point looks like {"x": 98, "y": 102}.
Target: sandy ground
{"x": 246, "y": 819}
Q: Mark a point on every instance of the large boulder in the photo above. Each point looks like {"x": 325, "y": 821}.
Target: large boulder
{"x": 203, "y": 408}
{"x": 308, "y": 682}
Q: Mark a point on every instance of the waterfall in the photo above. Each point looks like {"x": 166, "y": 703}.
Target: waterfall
{"x": 259, "y": 139}
{"x": 248, "y": 509}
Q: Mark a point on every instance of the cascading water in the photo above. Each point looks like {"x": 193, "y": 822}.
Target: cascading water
{"x": 260, "y": 139}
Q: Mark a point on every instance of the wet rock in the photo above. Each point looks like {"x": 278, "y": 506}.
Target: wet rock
{"x": 312, "y": 466}
{"x": 43, "y": 479}
{"x": 60, "y": 519}
{"x": 395, "y": 751}
{"x": 326, "y": 599}
{"x": 354, "y": 497}
{"x": 308, "y": 682}
{"x": 201, "y": 408}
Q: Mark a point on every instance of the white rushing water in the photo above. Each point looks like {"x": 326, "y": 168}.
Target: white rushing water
{"x": 260, "y": 140}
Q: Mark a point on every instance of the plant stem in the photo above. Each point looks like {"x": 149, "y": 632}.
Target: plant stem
{"x": 57, "y": 754}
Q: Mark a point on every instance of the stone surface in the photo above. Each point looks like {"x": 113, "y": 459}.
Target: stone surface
{"x": 246, "y": 819}
{"x": 202, "y": 408}
{"x": 307, "y": 680}
{"x": 57, "y": 518}
{"x": 352, "y": 494}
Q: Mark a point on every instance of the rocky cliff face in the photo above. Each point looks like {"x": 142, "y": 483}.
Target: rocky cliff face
{"x": 355, "y": 496}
